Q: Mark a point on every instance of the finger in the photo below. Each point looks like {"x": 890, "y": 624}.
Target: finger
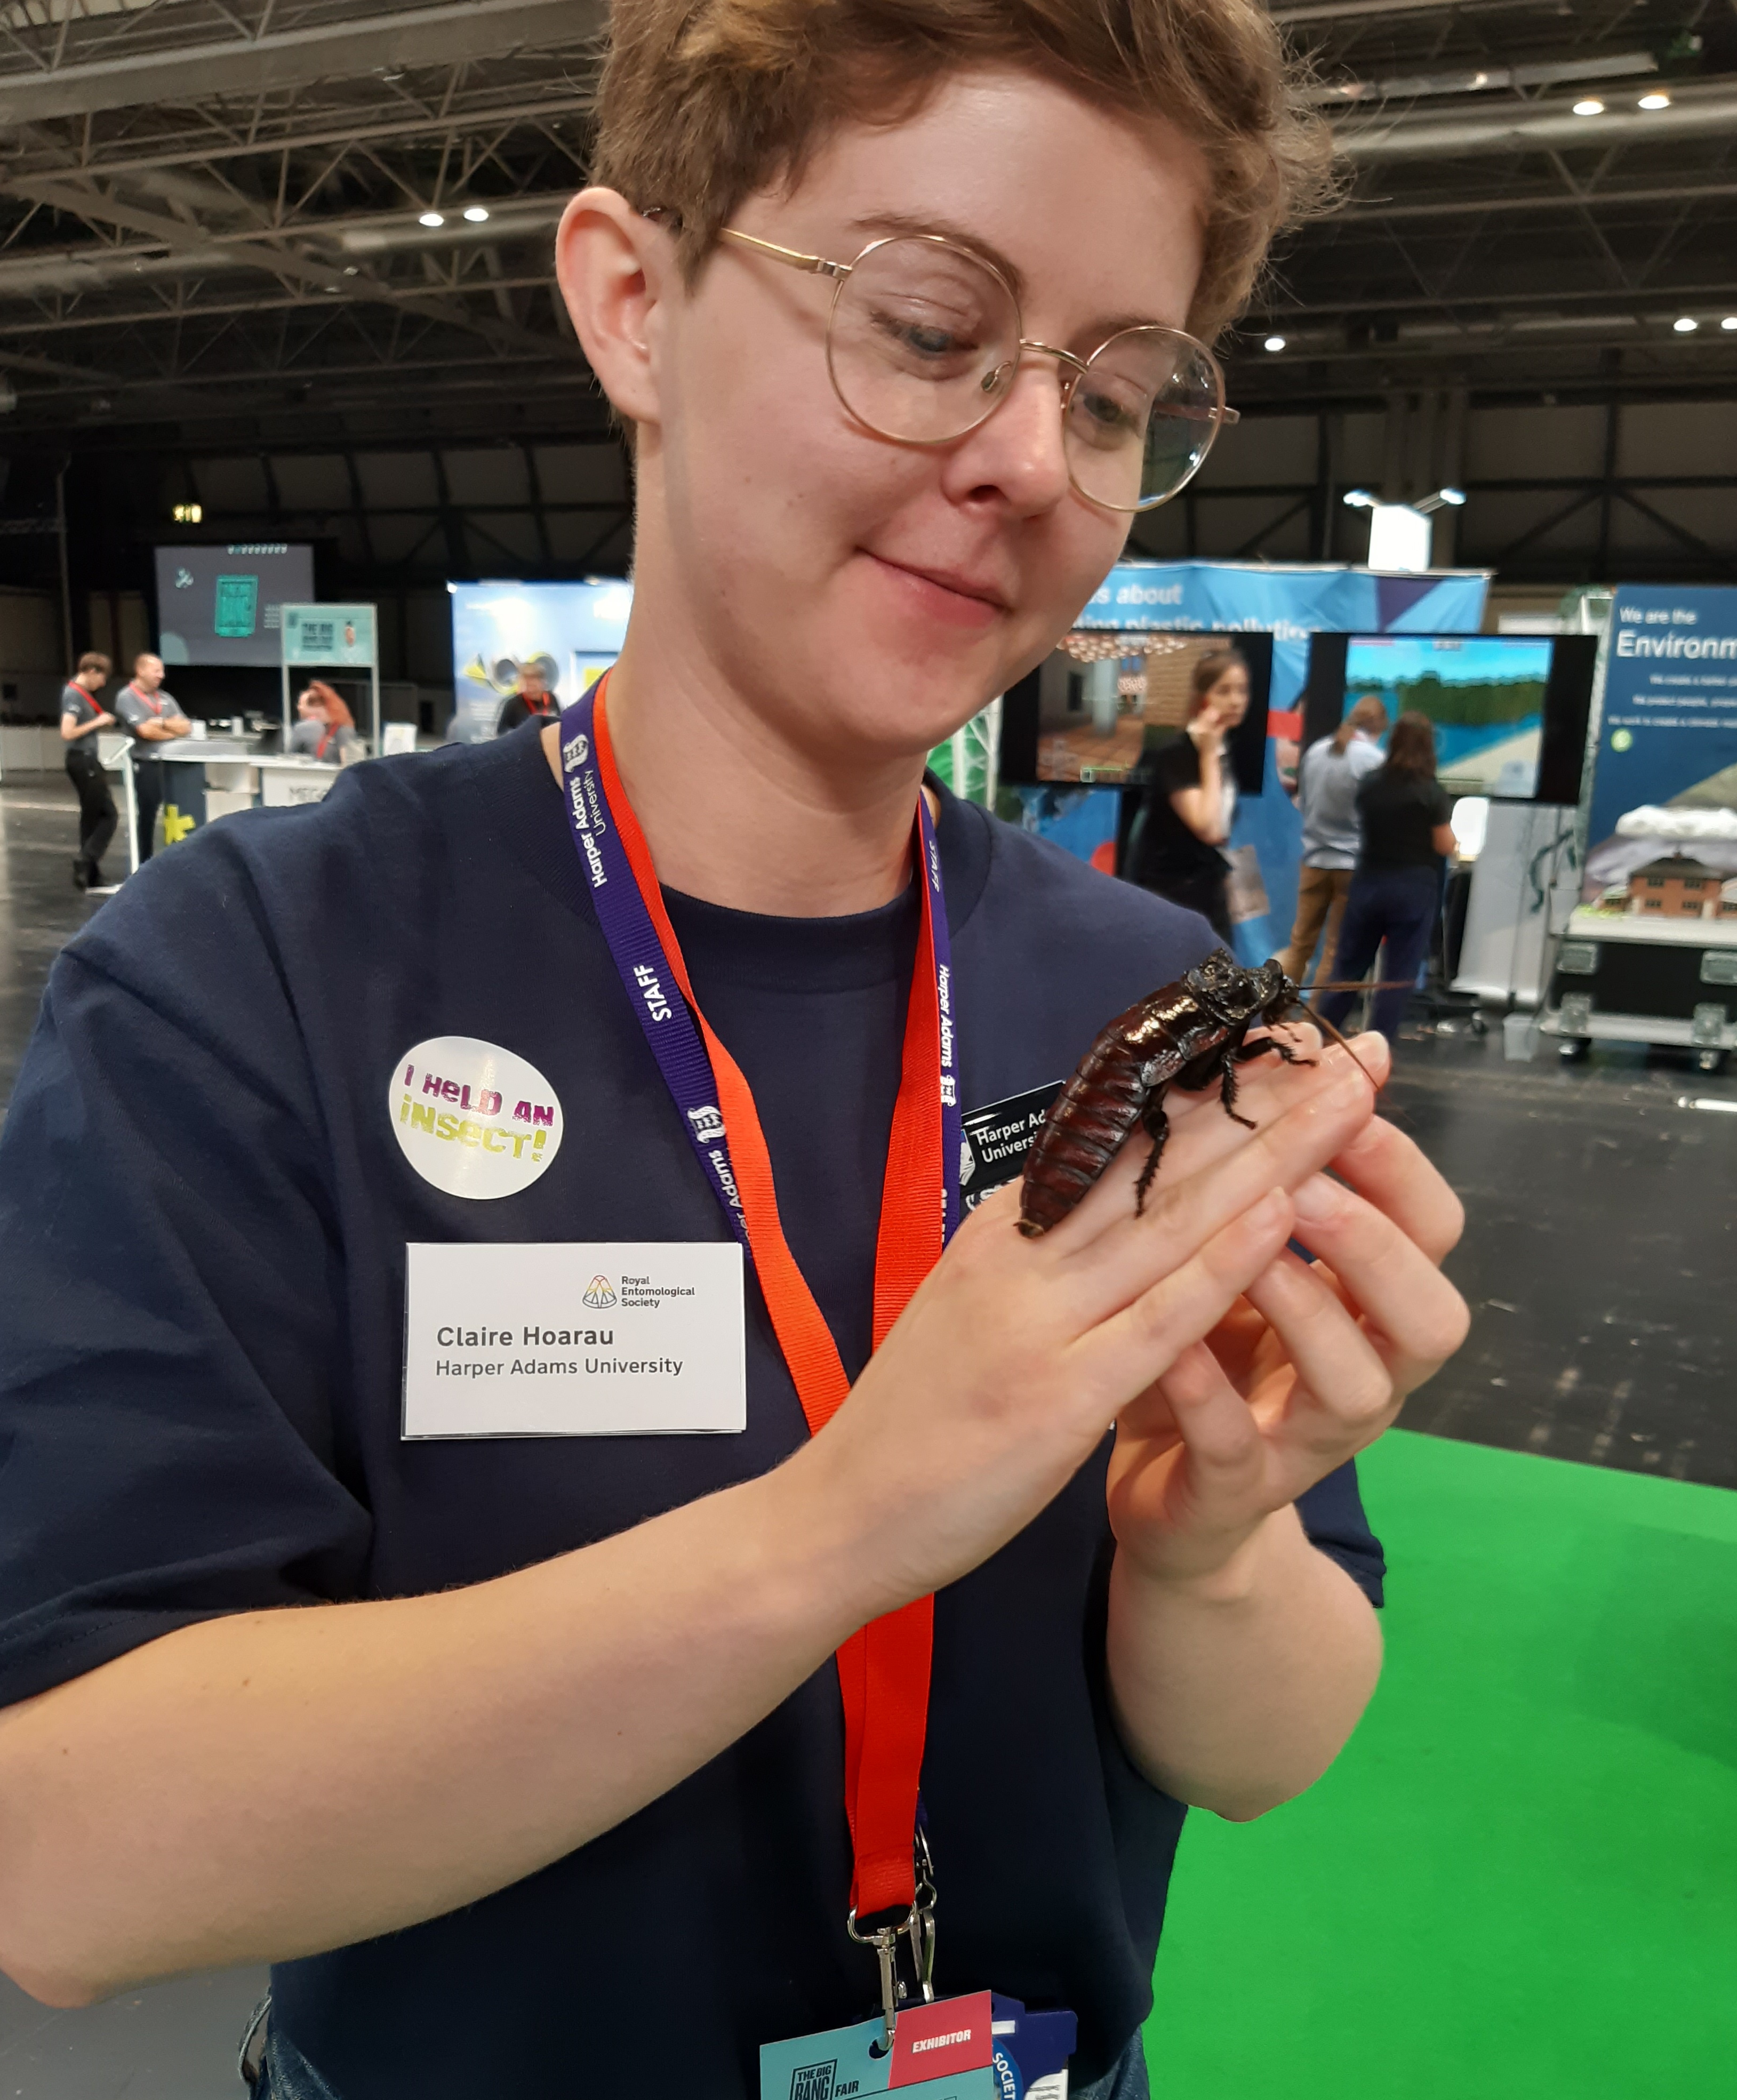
{"x": 1127, "y": 1253}
{"x": 1345, "y": 1392}
{"x": 1387, "y": 1277}
{"x": 1214, "y": 1421}
{"x": 1387, "y": 1168}
{"x": 1117, "y": 1357}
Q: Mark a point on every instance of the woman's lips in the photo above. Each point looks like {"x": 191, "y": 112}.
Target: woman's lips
{"x": 956, "y": 601}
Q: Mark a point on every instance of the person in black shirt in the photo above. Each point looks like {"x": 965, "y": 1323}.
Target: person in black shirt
{"x": 532, "y": 698}
{"x": 1191, "y": 794}
{"x": 82, "y": 715}
{"x": 1397, "y": 888}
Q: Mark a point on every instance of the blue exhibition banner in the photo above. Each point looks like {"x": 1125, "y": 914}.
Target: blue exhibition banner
{"x": 572, "y": 632}
{"x": 1668, "y": 726}
{"x": 1291, "y": 603}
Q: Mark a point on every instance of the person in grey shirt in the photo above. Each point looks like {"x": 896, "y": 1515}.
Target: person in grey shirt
{"x": 153, "y": 716}
{"x": 1327, "y": 783}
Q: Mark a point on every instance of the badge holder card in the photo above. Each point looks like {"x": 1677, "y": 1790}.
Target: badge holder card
{"x": 983, "y": 2047}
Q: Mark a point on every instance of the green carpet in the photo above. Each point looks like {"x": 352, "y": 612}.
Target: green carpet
{"x": 1520, "y": 1879}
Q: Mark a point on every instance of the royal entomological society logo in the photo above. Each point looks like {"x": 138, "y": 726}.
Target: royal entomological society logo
{"x": 576, "y": 750}
{"x": 600, "y": 1294}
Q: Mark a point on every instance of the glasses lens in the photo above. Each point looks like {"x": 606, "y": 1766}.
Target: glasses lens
{"x": 1142, "y": 416}
{"x": 923, "y": 341}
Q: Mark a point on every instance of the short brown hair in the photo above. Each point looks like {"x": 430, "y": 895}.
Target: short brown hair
{"x": 703, "y": 102}
{"x": 94, "y": 659}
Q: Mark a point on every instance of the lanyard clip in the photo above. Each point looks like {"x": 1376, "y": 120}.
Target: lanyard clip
{"x": 884, "y": 1940}
{"x": 919, "y": 1926}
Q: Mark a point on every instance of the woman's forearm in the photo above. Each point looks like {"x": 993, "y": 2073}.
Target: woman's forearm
{"x": 265, "y": 1786}
{"x": 1236, "y": 1691}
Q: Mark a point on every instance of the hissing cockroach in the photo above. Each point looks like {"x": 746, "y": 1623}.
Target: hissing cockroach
{"x": 1186, "y": 1034}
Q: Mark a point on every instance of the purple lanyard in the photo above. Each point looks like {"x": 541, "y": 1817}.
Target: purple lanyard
{"x": 652, "y": 986}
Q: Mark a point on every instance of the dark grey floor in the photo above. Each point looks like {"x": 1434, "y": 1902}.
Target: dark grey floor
{"x": 1598, "y": 1256}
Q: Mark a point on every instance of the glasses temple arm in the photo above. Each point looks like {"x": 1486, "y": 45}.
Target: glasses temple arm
{"x": 816, "y": 265}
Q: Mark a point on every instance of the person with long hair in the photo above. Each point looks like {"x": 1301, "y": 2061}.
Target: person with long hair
{"x": 1190, "y": 795}
{"x": 327, "y": 730}
{"x": 1327, "y": 782}
{"x": 1395, "y": 888}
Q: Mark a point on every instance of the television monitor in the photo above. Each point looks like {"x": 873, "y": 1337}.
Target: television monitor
{"x": 222, "y": 604}
{"x": 1509, "y": 711}
{"x": 1095, "y": 712}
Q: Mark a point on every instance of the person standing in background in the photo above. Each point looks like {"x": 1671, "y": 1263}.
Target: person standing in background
{"x": 82, "y": 715}
{"x": 151, "y": 716}
{"x": 531, "y": 698}
{"x": 1396, "y": 889}
{"x": 1192, "y": 795}
{"x": 327, "y": 730}
{"x": 1327, "y": 783}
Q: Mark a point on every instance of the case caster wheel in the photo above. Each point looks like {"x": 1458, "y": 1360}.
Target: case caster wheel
{"x": 1480, "y": 1025}
{"x": 1573, "y": 1049}
{"x": 1709, "y": 1061}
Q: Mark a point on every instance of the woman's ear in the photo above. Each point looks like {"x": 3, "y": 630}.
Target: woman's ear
{"x": 613, "y": 265}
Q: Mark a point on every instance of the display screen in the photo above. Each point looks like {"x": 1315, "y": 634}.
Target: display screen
{"x": 1509, "y": 710}
{"x": 571, "y": 633}
{"x": 1095, "y": 713}
{"x": 222, "y": 604}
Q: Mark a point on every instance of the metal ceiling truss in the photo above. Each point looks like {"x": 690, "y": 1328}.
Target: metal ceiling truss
{"x": 211, "y": 208}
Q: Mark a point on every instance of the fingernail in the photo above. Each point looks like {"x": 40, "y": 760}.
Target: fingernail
{"x": 1319, "y": 1201}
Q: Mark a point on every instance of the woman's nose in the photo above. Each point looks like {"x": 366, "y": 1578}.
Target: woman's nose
{"x": 1018, "y": 450}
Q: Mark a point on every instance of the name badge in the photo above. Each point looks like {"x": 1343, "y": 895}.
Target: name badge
{"x": 582, "y": 1338}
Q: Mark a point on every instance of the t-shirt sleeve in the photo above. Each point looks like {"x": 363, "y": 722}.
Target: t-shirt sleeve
{"x": 131, "y": 708}
{"x": 1332, "y": 1517}
{"x": 171, "y": 1292}
{"x": 1441, "y": 803}
{"x": 1176, "y": 767}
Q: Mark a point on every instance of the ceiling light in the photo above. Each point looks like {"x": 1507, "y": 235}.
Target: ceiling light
{"x": 1274, "y": 342}
{"x": 1729, "y": 322}
{"x": 1685, "y": 325}
{"x": 431, "y": 218}
{"x": 475, "y": 214}
{"x": 1358, "y": 499}
{"x": 351, "y": 271}
{"x": 1655, "y": 102}
{"x": 1591, "y": 107}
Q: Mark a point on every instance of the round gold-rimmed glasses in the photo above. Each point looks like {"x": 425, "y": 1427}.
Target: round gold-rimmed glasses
{"x": 924, "y": 340}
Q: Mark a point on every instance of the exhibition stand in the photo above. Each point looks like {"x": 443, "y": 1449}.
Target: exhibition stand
{"x": 1291, "y": 603}
{"x": 1650, "y": 953}
{"x": 214, "y": 777}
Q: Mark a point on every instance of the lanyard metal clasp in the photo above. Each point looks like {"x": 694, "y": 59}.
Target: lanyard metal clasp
{"x": 917, "y": 1928}
{"x": 884, "y": 1938}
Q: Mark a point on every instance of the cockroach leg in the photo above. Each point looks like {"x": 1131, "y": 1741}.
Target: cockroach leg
{"x": 1156, "y": 1124}
{"x": 1228, "y": 1090}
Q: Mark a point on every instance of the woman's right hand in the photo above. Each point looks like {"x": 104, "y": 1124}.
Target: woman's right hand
{"x": 1015, "y": 1356}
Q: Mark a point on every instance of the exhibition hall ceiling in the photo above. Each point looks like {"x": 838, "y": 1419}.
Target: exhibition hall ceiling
{"x": 231, "y": 220}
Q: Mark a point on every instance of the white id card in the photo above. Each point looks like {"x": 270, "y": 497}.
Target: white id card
{"x": 587, "y": 1339}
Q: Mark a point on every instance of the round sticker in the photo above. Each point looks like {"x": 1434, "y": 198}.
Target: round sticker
{"x": 472, "y": 1119}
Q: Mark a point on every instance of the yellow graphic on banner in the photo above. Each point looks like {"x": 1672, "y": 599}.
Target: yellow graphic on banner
{"x": 177, "y": 826}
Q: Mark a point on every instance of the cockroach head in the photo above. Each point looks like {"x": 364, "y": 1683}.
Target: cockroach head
{"x": 1233, "y": 994}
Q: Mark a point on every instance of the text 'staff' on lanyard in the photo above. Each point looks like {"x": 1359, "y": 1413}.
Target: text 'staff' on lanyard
{"x": 884, "y": 1670}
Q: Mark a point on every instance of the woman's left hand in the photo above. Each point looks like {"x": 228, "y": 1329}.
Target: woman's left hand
{"x": 1309, "y": 1367}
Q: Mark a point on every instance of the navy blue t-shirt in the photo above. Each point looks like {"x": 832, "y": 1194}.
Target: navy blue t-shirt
{"x": 203, "y": 1216}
